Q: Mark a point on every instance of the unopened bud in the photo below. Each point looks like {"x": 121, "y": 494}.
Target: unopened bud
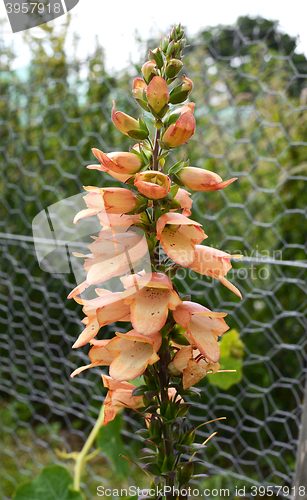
{"x": 157, "y": 94}
{"x": 170, "y": 48}
{"x": 180, "y": 93}
{"x": 149, "y": 70}
{"x": 164, "y": 44}
{"x": 157, "y": 56}
{"x": 173, "y": 68}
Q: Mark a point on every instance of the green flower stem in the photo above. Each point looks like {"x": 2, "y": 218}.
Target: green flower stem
{"x": 82, "y": 456}
{"x": 156, "y": 150}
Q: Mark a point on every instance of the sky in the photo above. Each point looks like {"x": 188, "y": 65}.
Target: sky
{"x": 117, "y": 22}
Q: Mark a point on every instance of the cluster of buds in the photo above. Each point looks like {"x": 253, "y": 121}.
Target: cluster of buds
{"x": 172, "y": 342}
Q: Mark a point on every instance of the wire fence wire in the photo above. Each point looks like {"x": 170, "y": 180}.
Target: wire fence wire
{"x": 250, "y": 93}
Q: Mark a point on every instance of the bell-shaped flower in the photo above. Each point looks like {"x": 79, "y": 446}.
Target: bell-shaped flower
{"x": 132, "y": 353}
{"x": 185, "y": 201}
{"x": 180, "y": 131}
{"x": 178, "y": 236}
{"x": 157, "y": 95}
{"x": 103, "y": 310}
{"x": 193, "y": 366}
{"x": 203, "y": 327}
{"x": 150, "y": 297}
{"x": 199, "y": 179}
{"x": 214, "y": 263}
{"x": 128, "y": 125}
{"x": 119, "y": 396}
{"x": 119, "y": 162}
{"x": 110, "y": 200}
{"x": 152, "y": 184}
{"x": 118, "y": 220}
{"x": 127, "y": 354}
{"x": 149, "y": 70}
{"x": 113, "y": 255}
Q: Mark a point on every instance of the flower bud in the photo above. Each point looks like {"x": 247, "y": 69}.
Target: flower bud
{"x": 149, "y": 70}
{"x": 173, "y": 68}
{"x": 152, "y": 184}
{"x": 139, "y": 88}
{"x": 180, "y": 131}
{"x": 164, "y": 44}
{"x": 181, "y": 92}
{"x": 199, "y": 179}
{"x": 120, "y": 162}
{"x": 157, "y": 94}
{"x": 128, "y": 125}
{"x": 156, "y": 54}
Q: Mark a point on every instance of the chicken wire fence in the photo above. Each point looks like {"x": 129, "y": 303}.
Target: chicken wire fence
{"x": 250, "y": 93}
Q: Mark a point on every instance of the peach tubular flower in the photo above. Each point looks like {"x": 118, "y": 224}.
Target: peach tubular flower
{"x": 214, "y": 263}
{"x": 185, "y": 201}
{"x": 101, "y": 311}
{"x": 181, "y": 131}
{"x": 178, "y": 236}
{"x": 128, "y": 125}
{"x": 199, "y": 179}
{"x": 150, "y": 297}
{"x": 117, "y": 220}
{"x": 203, "y": 327}
{"x": 191, "y": 363}
{"x": 110, "y": 200}
{"x": 127, "y": 354}
{"x": 132, "y": 353}
{"x": 157, "y": 94}
{"x": 99, "y": 356}
{"x": 119, "y": 396}
{"x": 153, "y": 185}
{"x": 101, "y": 168}
{"x": 113, "y": 255}
{"x": 119, "y": 162}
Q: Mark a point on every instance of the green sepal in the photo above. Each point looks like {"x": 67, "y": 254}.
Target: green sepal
{"x": 170, "y": 48}
{"x": 142, "y": 104}
{"x": 152, "y": 468}
{"x": 188, "y": 437}
{"x": 139, "y": 390}
{"x": 138, "y": 135}
{"x": 178, "y": 338}
{"x": 156, "y": 54}
{"x": 164, "y": 44}
{"x": 150, "y": 383}
{"x": 163, "y": 146}
{"x": 175, "y": 169}
{"x": 137, "y": 153}
{"x": 168, "y": 463}
{"x": 183, "y": 409}
{"x": 178, "y": 97}
{"x": 185, "y": 473}
{"x": 174, "y": 190}
{"x": 161, "y": 113}
{"x": 143, "y": 125}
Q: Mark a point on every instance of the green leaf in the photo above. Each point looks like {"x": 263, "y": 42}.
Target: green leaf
{"x": 232, "y": 351}
{"x": 110, "y": 442}
{"x": 53, "y": 483}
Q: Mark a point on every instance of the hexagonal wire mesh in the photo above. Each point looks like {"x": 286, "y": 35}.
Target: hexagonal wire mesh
{"x": 250, "y": 94}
